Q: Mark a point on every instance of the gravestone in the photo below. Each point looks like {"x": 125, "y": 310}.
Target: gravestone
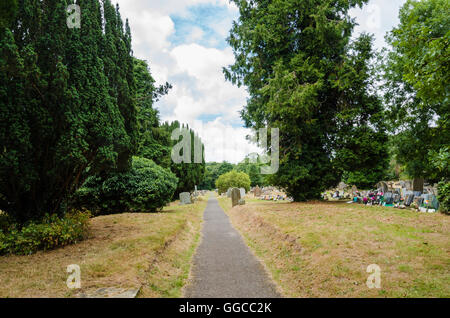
{"x": 235, "y": 196}
{"x": 229, "y": 193}
{"x": 408, "y": 185}
{"x": 342, "y": 186}
{"x": 388, "y": 197}
{"x": 185, "y": 198}
{"x": 354, "y": 190}
{"x": 382, "y": 186}
{"x": 409, "y": 199}
{"x": 418, "y": 201}
{"x": 242, "y": 190}
{"x": 418, "y": 184}
{"x": 257, "y": 191}
{"x": 434, "y": 202}
{"x": 241, "y": 202}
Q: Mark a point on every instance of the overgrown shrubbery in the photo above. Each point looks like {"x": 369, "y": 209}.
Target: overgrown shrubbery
{"x": 50, "y": 233}
{"x": 444, "y": 196}
{"x": 146, "y": 187}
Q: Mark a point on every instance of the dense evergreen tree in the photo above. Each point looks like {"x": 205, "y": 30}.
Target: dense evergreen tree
{"x": 153, "y": 141}
{"x": 65, "y": 107}
{"x": 189, "y": 174}
{"x": 361, "y": 143}
{"x": 291, "y": 55}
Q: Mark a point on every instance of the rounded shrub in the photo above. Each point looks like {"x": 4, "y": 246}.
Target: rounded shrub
{"x": 146, "y": 187}
{"x": 51, "y": 232}
{"x": 233, "y": 179}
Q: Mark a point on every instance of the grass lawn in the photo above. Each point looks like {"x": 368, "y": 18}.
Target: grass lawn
{"x": 321, "y": 249}
{"x": 131, "y": 250}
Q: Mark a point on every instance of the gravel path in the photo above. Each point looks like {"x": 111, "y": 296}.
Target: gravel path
{"x": 223, "y": 264}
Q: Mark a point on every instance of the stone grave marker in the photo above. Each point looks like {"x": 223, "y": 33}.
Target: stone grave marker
{"x": 235, "y": 196}
{"x": 382, "y": 186}
{"x": 242, "y": 190}
{"x": 185, "y": 198}
{"x": 408, "y": 185}
{"x": 257, "y": 191}
{"x": 418, "y": 185}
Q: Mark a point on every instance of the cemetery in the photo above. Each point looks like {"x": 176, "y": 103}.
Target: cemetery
{"x": 322, "y": 248}
{"x": 320, "y": 154}
{"x": 408, "y": 194}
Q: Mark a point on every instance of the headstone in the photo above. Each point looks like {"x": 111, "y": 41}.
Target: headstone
{"x": 241, "y": 202}
{"x": 242, "y": 190}
{"x": 408, "y": 185}
{"x": 354, "y": 190}
{"x": 403, "y": 192}
{"x": 382, "y": 186}
{"x": 185, "y": 198}
{"x": 435, "y": 203}
{"x": 418, "y": 201}
{"x": 409, "y": 199}
{"x": 418, "y": 184}
{"x": 235, "y": 196}
{"x": 257, "y": 191}
{"x": 342, "y": 185}
{"x": 229, "y": 193}
{"x": 388, "y": 198}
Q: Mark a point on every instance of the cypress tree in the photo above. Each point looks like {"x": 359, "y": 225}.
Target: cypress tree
{"x": 64, "y": 113}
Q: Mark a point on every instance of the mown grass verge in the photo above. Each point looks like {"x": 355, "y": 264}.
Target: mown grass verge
{"x": 130, "y": 250}
{"x": 323, "y": 249}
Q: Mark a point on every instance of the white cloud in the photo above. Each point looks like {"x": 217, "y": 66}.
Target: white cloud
{"x": 200, "y": 96}
{"x": 378, "y": 17}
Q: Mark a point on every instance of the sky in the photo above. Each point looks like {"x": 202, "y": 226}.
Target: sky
{"x": 184, "y": 42}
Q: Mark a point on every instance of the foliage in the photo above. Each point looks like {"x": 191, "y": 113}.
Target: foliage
{"x": 212, "y": 171}
{"x": 52, "y": 232}
{"x": 8, "y": 11}
{"x": 444, "y": 196}
{"x": 146, "y": 187}
{"x": 417, "y": 73}
{"x": 233, "y": 179}
{"x": 67, "y": 106}
{"x": 189, "y": 174}
{"x": 306, "y": 78}
{"x": 253, "y": 169}
{"x": 151, "y": 142}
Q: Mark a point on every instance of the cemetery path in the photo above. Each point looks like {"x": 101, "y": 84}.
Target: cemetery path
{"x": 223, "y": 264}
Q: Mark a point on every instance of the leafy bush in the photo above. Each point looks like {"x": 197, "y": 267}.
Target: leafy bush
{"x": 444, "y": 196}
{"x": 233, "y": 179}
{"x": 146, "y": 187}
{"x": 50, "y": 233}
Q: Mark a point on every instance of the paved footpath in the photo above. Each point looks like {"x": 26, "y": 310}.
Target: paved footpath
{"x": 223, "y": 265}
